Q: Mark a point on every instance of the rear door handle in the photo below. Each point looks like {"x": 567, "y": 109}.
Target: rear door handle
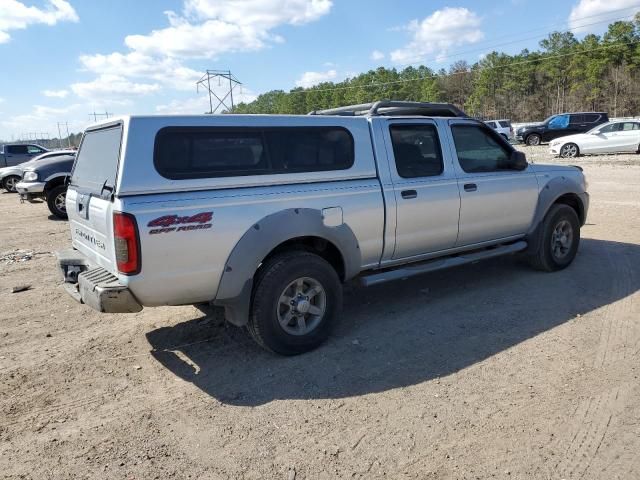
{"x": 407, "y": 194}
{"x": 470, "y": 187}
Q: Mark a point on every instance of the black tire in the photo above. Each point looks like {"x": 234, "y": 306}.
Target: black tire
{"x": 53, "y": 201}
{"x": 569, "y": 150}
{"x": 9, "y": 183}
{"x": 533, "y": 140}
{"x": 550, "y": 258}
{"x": 275, "y": 277}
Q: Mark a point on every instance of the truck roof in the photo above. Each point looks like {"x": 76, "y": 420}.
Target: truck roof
{"x": 386, "y": 108}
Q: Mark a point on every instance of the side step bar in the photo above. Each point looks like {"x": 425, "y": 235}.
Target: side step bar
{"x": 440, "y": 263}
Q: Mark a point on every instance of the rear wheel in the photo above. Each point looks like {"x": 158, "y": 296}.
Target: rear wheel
{"x": 296, "y": 301}
{"x": 56, "y": 201}
{"x": 9, "y": 183}
{"x": 533, "y": 140}
{"x": 569, "y": 150}
{"x": 559, "y": 237}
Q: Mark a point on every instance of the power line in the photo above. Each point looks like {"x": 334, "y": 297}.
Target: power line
{"x": 520, "y": 40}
{"x": 465, "y": 72}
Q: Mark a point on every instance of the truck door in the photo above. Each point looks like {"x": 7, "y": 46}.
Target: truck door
{"x": 496, "y": 200}
{"x": 425, "y": 188}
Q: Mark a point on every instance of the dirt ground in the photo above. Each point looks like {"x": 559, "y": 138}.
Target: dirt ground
{"x": 486, "y": 371}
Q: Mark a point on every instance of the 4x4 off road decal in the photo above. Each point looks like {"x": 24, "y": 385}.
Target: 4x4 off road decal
{"x": 175, "y": 223}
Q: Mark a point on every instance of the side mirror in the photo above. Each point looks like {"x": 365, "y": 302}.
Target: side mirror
{"x": 519, "y": 160}
{"x": 597, "y": 132}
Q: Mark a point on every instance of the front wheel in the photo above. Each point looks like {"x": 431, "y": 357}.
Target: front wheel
{"x": 296, "y": 302}
{"x": 559, "y": 237}
{"x": 533, "y": 140}
{"x": 9, "y": 183}
{"x": 56, "y": 201}
{"x": 569, "y": 150}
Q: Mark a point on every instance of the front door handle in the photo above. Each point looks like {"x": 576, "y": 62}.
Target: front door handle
{"x": 470, "y": 187}
{"x": 408, "y": 194}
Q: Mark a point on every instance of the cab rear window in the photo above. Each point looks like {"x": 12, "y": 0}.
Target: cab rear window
{"x": 197, "y": 152}
{"x": 97, "y": 160}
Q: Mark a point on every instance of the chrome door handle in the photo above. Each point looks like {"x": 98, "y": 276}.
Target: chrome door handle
{"x": 408, "y": 194}
{"x": 470, "y": 187}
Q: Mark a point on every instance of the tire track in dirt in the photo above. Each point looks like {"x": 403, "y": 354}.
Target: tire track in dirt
{"x": 588, "y": 426}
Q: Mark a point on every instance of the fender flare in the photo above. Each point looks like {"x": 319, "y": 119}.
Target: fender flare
{"x": 549, "y": 194}
{"x": 54, "y": 177}
{"x": 236, "y": 284}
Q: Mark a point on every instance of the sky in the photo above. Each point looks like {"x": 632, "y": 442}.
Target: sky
{"x": 62, "y": 60}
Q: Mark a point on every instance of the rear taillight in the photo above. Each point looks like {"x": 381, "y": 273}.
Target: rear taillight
{"x": 127, "y": 243}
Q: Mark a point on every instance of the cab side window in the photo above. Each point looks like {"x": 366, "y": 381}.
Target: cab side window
{"x": 17, "y": 149}
{"x": 612, "y": 127}
{"x": 630, "y": 126}
{"x": 479, "y": 150}
{"x": 559, "y": 122}
{"x": 34, "y": 150}
{"x": 417, "y": 151}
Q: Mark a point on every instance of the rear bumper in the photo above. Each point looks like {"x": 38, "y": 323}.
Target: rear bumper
{"x": 30, "y": 190}
{"x": 94, "y": 286}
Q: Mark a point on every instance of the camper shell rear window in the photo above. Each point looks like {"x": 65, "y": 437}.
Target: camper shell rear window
{"x": 96, "y": 163}
{"x": 182, "y": 153}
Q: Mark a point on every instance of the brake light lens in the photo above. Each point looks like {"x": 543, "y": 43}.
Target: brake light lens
{"x": 127, "y": 243}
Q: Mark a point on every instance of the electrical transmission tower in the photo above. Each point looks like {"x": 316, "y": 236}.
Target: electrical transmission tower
{"x": 96, "y": 115}
{"x": 226, "y": 101}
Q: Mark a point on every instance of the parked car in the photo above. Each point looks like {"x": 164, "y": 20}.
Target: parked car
{"x": 613, "y": 137}
{"x": 10, "y": 176}
{"x": 560, "y": 126}
{"x": 503, "y": 127}
{"x": 47, "y": 179}
{"x": 15, "y": 154}
{"x": 267, "y": 216}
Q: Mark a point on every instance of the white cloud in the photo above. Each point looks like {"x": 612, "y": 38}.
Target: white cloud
{"x": 112, "y": 87}
{"x": 204, "y": 29}
{"x": 55, "y": 93}
{"x": 15, "y": 15}
{"x": 166, "y": 71}
{"x": 377, "y": 55}
{"x": 211, "y": 27}
{"x": 592, "y": 8}
{"x": 42, "y": 117}
{"x": 309, "y": 79}
{"x": 438, "y": 33}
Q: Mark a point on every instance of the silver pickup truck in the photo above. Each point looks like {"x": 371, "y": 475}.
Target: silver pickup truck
{"x": 267, "y": 216}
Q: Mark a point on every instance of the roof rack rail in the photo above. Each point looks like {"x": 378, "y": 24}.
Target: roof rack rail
{"x": 393, "y": 107}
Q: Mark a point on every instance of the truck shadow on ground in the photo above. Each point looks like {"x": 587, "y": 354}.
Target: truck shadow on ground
{"x": 406, "y": 332}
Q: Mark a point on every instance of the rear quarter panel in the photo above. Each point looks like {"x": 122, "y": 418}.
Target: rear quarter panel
{"x": 184, "y": 263}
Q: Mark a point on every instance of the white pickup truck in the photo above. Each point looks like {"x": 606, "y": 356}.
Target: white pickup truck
{"x": 267, "y": 216}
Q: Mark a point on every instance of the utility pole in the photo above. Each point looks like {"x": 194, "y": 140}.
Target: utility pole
{"x": 59, "y": 137}
{"x": 66, "y": 125}
{"x": 226, "y": 101}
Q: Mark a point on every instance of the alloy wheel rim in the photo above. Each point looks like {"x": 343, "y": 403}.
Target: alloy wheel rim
{"x": 11, "y": 184}
{"x": 569, "y": 151}
{"x": 534, "y": 140}
{"x": 60, "y": 202}
{"x": 562, "y": 239}
{"x": 301, "y": 306}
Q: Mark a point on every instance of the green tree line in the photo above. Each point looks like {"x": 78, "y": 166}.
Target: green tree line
{"x": 596, "y": 73}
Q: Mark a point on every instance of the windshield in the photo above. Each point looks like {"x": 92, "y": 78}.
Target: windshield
{"x": 97, "y": 159}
